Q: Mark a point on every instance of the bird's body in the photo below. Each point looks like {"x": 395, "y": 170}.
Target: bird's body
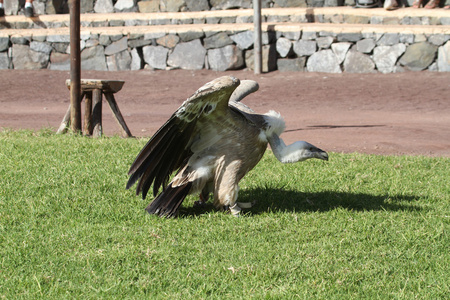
{"x": 213, "y": 142}
{"x": 223, "y": 159}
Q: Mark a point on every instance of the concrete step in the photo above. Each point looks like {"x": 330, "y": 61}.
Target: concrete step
{"x": 234, "y": 28}
{"x": 332, "y": 19}
{"x": 333, "y": 15}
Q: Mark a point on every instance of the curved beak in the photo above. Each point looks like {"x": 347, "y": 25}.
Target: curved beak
{"x": 320, "y": 154}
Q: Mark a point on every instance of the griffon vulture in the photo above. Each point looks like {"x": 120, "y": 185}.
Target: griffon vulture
{"x": 212, "y": 141}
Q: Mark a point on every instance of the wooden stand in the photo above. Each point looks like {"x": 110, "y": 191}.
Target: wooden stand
{"x": 92, "y": 90}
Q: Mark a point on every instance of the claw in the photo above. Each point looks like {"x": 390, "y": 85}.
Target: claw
{"x": 201, "y": 201}
{"x": 235, "y": 210}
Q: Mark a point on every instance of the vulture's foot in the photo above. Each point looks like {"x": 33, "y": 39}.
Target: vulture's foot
{"x": 235, "y": 210}
{"x": 201, "y": 201}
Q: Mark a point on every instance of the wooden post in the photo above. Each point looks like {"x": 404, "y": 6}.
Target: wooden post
{"x": 97, "y": 113}
{"x": 117, "y": 114}
{"x": 64, "y": 123}
{"x": 257, "y": 35}
{"x": 75, "y": 66}
{"x": 88, "y": 113}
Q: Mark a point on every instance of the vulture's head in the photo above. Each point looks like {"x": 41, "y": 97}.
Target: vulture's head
{"x": 300, "y": 151}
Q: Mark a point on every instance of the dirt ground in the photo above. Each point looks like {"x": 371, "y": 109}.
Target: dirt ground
{"x": 403, "y": 113}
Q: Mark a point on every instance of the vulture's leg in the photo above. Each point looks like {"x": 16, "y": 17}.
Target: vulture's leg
{"x": 202, "y": 199}
{"x": 204, "y": 195}
{"x": 226, "y": 197}
{"x": 226, "y": 187}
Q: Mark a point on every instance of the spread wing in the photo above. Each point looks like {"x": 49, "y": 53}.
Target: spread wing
{"x": 170, "y": 147}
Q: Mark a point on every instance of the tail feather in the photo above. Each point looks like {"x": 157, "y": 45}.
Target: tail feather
{"x": 170, "y": 199}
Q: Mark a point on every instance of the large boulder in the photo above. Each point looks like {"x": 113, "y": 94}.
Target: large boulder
{"x": 104, "y": 6}
{"x": 290, "y": 3}
{"x": 93, "y": 59}
{"x": 305, "y": 47}
{"x": 284, "y": 46}
{"x": 227, "y": 4}
{"x": 119, "y": 62}
{"x": 148, "y": 6}
{"x": 4, "y": 43}
{"x": 226, "y": 58}
{"x": 168, "y": 41}
{"x": 357, "y": 62}
{"x": 243, "y": 40}
{"x": 218, "y": 40}
{"x": 125, "y": 6}
{"x": 197, "y": 5}
{"x": 443, "y": 61}
{"x": 419, "y": 56}
{"x": 5, "y": 62}
{"x": 324, "y": 61}
{"x": 25, "y": 58}
{"x": 59, "y": 61}
{"x": 386, "y": 57}
{"x": 190, "y": 56}
{"x": 136, "y": 60}
{"x": 291, "y": 65}
{"x": 117, "y": 46}
{"x": 155, "y": 56}
{"x": 365, "y": 45}
{"x": 340, "y": 49}
{"x": 172, "y": 5}
{"x": 269, "y": 58}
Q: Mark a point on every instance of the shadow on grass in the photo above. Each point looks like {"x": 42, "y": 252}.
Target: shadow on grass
{"x": 279, "y": 200}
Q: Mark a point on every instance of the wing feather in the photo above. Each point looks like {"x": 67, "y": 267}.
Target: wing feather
{"x": 170, "y": 147}
{"x": 168, "y": 202}
{"x": 150, "y": 151}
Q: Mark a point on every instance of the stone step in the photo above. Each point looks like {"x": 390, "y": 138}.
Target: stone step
{"x": 335, "y": 15}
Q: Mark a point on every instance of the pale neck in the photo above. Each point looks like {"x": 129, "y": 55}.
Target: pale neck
{"x": 285, "y": 154}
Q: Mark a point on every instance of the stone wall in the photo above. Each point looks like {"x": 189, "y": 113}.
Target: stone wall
{"x": 43, "y": 7}
{"x": 286, "y": 48}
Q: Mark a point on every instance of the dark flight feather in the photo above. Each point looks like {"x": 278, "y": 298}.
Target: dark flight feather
{"x": 168, "y": 202}
{"x": 161, "y": 156}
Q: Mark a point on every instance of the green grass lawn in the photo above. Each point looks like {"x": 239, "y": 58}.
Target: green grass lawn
{"x": 358, "y": 226}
